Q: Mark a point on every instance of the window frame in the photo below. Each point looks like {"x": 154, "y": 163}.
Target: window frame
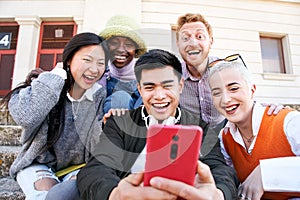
{"x": 285, "y": 52}
{"x": 54, "y": 51}
{"x": 12, "y": 52}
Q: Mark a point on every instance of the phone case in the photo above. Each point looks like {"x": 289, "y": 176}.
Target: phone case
{"x": 172, "y": 152}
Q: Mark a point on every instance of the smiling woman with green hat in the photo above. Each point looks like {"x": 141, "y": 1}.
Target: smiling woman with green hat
{"x": 125, "y": 45}
{"x": 124, "y": 26}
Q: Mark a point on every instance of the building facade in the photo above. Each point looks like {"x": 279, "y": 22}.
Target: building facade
{"x": 265, "y": 32}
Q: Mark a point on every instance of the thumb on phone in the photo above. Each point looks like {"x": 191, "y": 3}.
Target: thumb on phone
{"x": 204, "y": 174}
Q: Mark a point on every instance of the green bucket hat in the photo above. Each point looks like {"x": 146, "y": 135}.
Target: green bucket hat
{"x": 124, "y": 26}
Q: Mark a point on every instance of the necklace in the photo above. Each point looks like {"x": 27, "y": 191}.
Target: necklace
{"x": 75, "y": 112}
{"x": 249, "y": 140}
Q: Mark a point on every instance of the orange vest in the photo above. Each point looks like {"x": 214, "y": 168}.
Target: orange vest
{"x": 271, "y": 142}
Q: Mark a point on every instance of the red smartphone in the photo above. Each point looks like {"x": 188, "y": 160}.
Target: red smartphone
{"x": 172, "y": 152}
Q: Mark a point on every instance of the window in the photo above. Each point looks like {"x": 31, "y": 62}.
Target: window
{"x": 173, "y": 40}
{"x": 274, "y": 56}
{"x": 7, "y": 57}
{"x": 54, "y": 36}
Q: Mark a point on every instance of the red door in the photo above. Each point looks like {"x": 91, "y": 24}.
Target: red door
{"x": 8, "y": 44}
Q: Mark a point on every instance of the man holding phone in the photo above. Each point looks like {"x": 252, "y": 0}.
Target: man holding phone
{"x": 159, "y": 76}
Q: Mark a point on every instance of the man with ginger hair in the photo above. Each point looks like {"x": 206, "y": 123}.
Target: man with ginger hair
{"x": 194, "y": 39}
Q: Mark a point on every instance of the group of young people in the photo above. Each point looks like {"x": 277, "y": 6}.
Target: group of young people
{"x": 68, "y": 153}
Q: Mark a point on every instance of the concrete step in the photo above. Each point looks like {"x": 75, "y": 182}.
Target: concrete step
{"x": 10, "y": 135}
{"x": 9, "y": 148}
{"x": 10, "y": 190}
{"x": 294, "y": 106}
{"x": 7, "y": 155}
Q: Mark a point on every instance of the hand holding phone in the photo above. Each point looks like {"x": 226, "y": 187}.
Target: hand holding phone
{"x": 172, "y": 152}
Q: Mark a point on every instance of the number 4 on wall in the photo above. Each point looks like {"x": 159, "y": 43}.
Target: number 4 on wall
{"x": 5, "y": 39}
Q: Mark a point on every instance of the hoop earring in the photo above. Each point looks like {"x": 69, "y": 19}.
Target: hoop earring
{"x": 136, "y": 55}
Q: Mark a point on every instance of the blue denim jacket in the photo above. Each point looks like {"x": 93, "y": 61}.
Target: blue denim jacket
{"x": 121, "y": 94}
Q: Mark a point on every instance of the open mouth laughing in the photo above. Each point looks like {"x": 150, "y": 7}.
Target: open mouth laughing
{"x": 120, "y": 58}
{"x": 89, "y": 77}
{"x": 194, "y": 52}
{"x": 230, "y": 109}
{"x": 161, "y": 105}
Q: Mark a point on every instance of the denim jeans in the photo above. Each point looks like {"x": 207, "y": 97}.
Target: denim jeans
{"x": 28, "y": 176}
{"x": 121, "y": 94}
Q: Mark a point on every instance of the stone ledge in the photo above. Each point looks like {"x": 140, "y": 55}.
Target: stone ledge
{"x": 5, "y": 118}
{"x": 7, "y": 155}
{"x": 10, "y": 190}
{"x": 294, "y": 106}
{"x": 10, "y": 135}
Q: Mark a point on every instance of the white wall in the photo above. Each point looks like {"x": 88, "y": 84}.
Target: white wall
{"x": 97, "y": 12}
{"x": 236, "y": 26}
{"x": 29, "y": 15}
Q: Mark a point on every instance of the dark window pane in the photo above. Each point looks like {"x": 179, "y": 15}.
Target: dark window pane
{"x": 272, "y": 55}
{"x": 59, "y": 58}
{"x": 46, "y": 61}
{"x": 56, "y": 36}
{"x": 6, "y": 71}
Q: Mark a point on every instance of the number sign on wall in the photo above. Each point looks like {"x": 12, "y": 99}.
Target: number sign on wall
{"x": 5, "y": 39}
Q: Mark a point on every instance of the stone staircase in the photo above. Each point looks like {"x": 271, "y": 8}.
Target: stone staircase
{"x": 10, "y": 135}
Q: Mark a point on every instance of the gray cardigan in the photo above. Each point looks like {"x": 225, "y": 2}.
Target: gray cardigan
{"x": 30, "y": 107}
